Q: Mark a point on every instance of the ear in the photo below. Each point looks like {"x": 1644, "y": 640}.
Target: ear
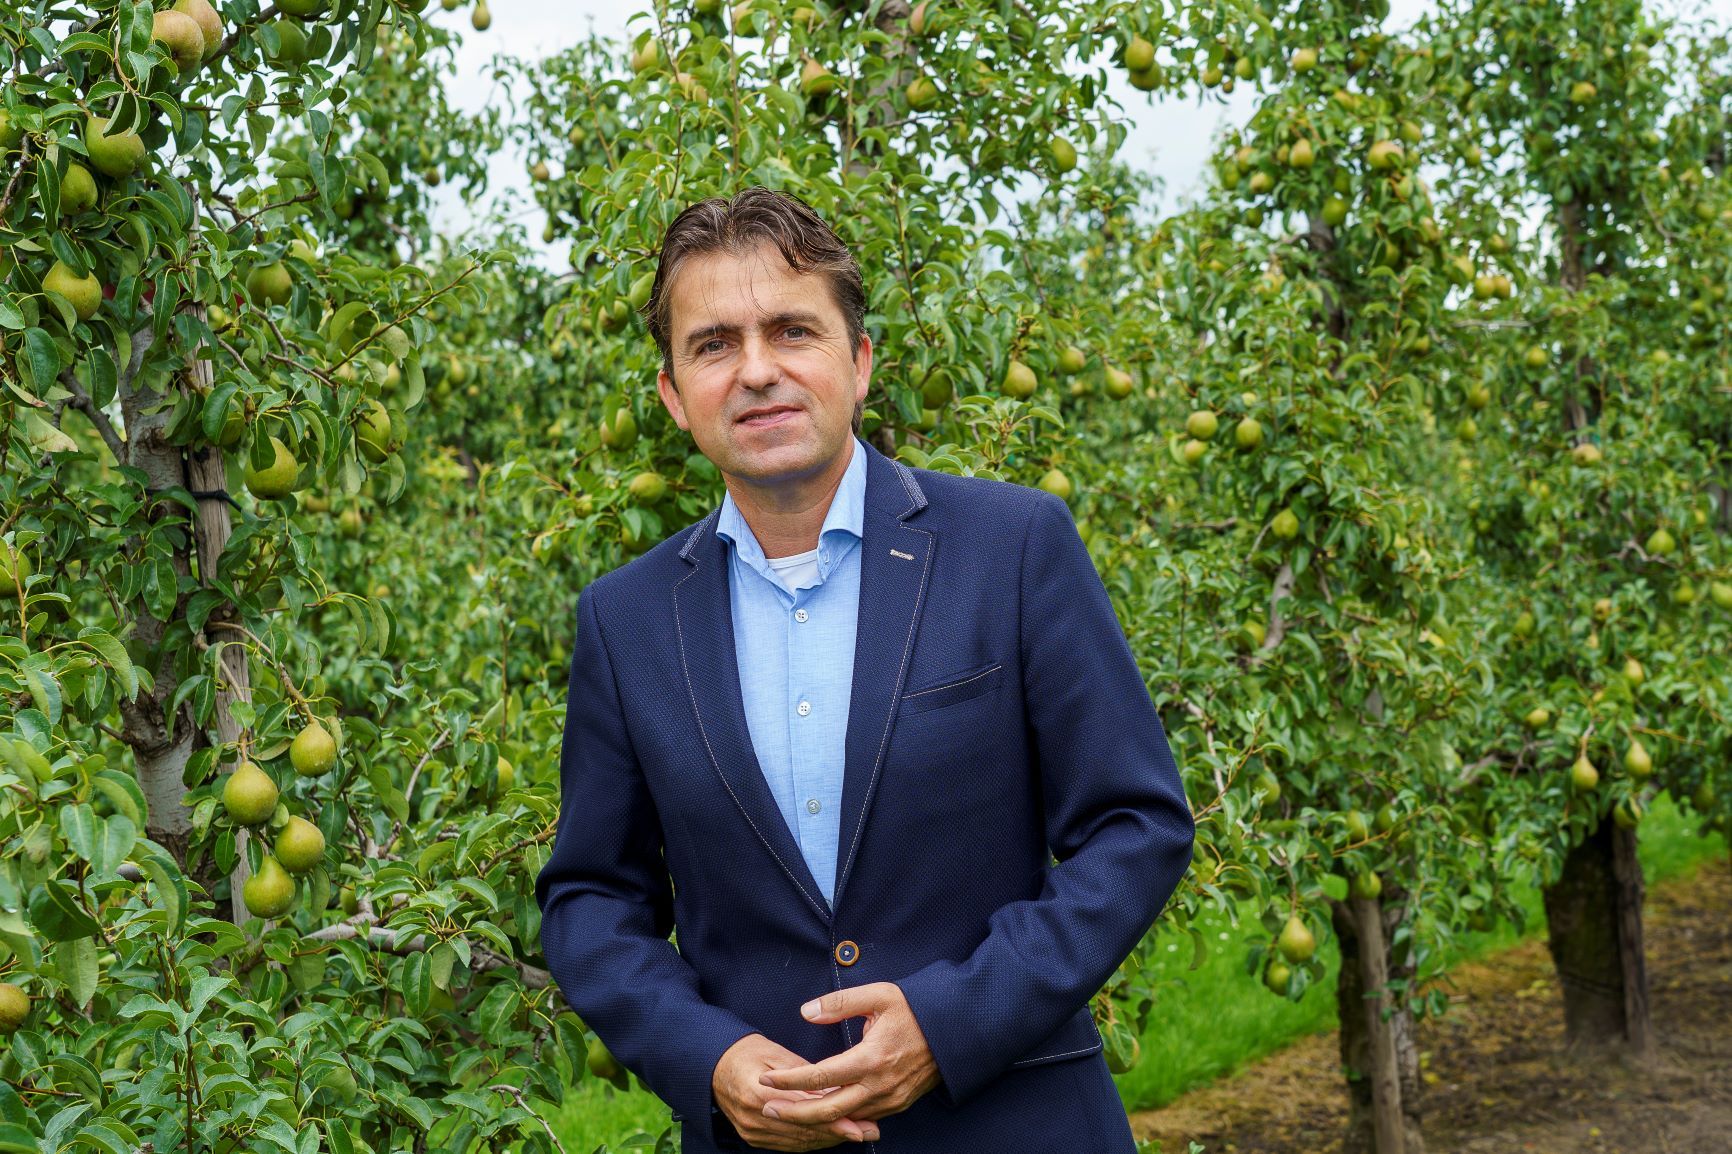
{"x": 670, "y": 396}
{"x": 863, "y": 367}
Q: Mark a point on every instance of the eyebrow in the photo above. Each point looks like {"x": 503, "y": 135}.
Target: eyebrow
{"x": 708, "y": 332}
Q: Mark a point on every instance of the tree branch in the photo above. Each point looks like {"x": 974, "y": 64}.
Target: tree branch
{"x": 81, "y": 400}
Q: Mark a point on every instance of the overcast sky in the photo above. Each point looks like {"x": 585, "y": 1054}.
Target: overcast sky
{"x": 1168, "y": 137}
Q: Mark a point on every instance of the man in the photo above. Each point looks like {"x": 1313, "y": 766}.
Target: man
{"x": 830, "y": 733}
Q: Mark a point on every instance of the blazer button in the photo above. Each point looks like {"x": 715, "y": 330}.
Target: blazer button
{"x": 847, "y": 953}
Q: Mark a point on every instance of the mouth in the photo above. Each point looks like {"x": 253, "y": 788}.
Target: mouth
{"x": 766, "y": 420}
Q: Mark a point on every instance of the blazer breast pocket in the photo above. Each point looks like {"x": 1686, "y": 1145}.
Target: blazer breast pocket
{"x": 953, "y": 689}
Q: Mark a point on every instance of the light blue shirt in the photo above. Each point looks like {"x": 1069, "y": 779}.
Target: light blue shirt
{"x": 795, "y": 652}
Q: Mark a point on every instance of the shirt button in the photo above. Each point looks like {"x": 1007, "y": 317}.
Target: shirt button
{"x": 847, "y": 953}
{"x": 805, "y": 707}
{"x": 799, "y": 615}
{"x": 813, "y": 805}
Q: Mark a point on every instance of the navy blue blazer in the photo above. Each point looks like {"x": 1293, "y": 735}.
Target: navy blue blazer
{"x": 998, "y": 722}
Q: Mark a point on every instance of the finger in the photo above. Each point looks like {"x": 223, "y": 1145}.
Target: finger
{"x": 770, "y": 1134}
{"x": 843, "y": 1069}
{"x": 839, "y": 1005}
{"x": 843, "y": 1103}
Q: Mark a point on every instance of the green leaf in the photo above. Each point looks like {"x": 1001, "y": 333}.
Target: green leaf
{"x": 41, "y": 362}
{"x": 118, "y": 836}
{"x": 56, "y": 914}
{"x": 417, "y": 985}
{"x": 122, "y": 790}
{"x": 171, "y": 893}
{"x": 17, "y": 1140}
{"x": 78, "y": 825}
{"x": 114, "y": 653}
{"x": 76, "y": 961}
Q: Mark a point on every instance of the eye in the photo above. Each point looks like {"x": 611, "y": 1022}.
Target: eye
{"x": 713, "y": 345}
{"x": 795, "y": 331}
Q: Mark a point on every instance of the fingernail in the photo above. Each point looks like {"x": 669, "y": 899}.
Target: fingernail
{"x": 809, "y": 1010}
{"x": 771, "y": 1111}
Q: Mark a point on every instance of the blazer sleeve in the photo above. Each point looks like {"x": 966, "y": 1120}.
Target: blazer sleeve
{"x": 607, "y": 901}
{"x": 1116, "y": 818}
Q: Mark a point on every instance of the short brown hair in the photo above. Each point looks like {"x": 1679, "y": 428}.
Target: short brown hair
{"x": 753, "y": 216}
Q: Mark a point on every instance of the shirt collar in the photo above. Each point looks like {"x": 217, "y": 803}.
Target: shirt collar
{"x": 847, "y": 511}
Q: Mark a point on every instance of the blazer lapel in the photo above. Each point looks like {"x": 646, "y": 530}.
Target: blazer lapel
{"x": 704, "y": 620}
{"x": 895, "y": 559}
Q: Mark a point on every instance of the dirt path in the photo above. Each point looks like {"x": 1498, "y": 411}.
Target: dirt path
{"x": 1495, "y": 1076}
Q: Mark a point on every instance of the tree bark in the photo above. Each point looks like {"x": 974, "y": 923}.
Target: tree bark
{"x": 1594, "y": 909}
{"x": 1382, "y": 1121}
{"x": 1594, "y": 931}
{"x": 160, "y": 758}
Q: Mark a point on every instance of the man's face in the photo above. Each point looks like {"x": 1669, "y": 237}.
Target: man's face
{"x": 748, "y": 332}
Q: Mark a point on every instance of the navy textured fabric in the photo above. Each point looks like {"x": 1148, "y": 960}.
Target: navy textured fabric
{"x": 998, "y": 721}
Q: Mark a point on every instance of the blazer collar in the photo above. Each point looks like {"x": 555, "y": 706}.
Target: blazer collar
{"x": 895, "y": 561}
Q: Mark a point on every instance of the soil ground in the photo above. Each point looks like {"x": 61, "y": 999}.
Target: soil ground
{"x": 1497, "y": 1076}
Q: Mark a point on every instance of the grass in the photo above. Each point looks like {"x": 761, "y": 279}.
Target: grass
{"x": 1212, "y": 1021}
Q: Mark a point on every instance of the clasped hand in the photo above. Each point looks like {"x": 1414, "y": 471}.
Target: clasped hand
{"x": 778, "y": 1101}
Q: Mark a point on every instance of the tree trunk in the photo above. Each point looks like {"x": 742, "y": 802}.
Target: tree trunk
{"x": 160, "y": 759}
{"x": 1594, "y": 930}
{"x": 1378, "y": 1055}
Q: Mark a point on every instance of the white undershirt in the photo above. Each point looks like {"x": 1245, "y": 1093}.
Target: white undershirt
{"x": 796, "y": 571}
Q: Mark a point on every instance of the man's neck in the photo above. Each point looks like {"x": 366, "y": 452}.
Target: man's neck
{"x": 787, "y": 519}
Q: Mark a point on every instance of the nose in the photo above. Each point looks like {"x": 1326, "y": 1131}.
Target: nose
{"x": 758, "y": 367}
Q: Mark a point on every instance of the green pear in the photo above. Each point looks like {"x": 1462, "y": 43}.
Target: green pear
{"x": 648, "y": 487}
{"x": 85, "y": 292}
{"x": 276, "y": 480}
{"x": 1627, "y": 813}
{"x": 291, "y": 44}
{"x": 1055, "y": 482}
{"x": 118, "y": 155}
{"x": 1638, "y": 760}
{"x": 1063, "y": 154}
{"x": 1201, "y": 424}
{"x": 1285, "y": 525}
{"x": 1365, "y": 884}
{"x": 373, "y": 432}
{"x": 270, "y": 892}
{"x": 77, "y": 190}
{"x": 1248, "y": 433}
{"x": 249, "y": 795}
{"x": 314, "y": 750}
{"x": 300, "y": 846}
{"x": 1071, "y": 360}
{"x": 1583, "y": 775}
{"x": 816, "y": 80}
{"x": 210, "y": 24}
{"x": 1019, "y": 380}
{"x": 181, "y": 35}
{"x": 1296, "y": 943}
{"x": 1277, "y": 977}
{"x": 14, "y": 1007}
{"x": 270, "y": 282}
